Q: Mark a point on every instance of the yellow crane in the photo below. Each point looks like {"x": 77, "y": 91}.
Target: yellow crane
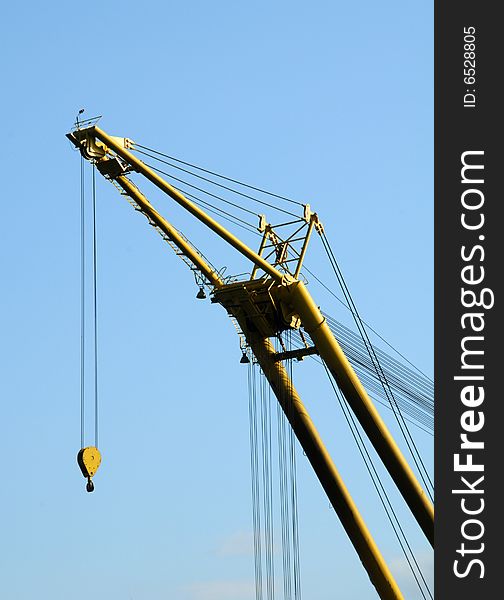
{"x": 272, "y": 300}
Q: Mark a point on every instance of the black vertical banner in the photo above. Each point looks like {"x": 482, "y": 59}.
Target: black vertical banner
{"x": 469, "y": 355}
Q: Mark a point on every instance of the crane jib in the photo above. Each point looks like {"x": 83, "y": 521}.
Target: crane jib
{"x": 272, "y": 300}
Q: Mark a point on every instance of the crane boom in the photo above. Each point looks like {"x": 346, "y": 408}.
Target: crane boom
{"x": 264, "y": 307}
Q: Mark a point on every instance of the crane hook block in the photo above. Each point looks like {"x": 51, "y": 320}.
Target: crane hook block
{"x": 89, "y": 460}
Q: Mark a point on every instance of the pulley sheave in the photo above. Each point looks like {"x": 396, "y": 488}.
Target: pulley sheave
{"x": 89, "y": 460}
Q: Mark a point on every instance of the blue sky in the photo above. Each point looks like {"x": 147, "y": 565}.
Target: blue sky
{"x": 326, "y": 102}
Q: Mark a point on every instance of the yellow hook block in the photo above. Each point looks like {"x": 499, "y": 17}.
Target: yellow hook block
{"x": 89, "y": 460}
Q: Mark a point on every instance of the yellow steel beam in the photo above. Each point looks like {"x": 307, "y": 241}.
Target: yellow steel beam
{"x": 297, "y": 296}
{"x": 152, "y": 176}
{"x": 324, "y": 467}
{"x": 170, "y": 231}
{"x": 261, "y": 250}
{"x": 304, "y": 248}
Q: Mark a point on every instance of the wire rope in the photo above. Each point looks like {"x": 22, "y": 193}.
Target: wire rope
{"x": 267, "y": 488}
{"x": 369, "y": 379}
{"x": 288, "y": 488}
{"x": 284, "y": 507}
{"x": 83, "y": 323}
{"x": 406, "y": 390}
{"x": 257, "y": 189}
{"x": 293, "y": 484}
{"x": 219, "y": 213}
{"x": 422, "y": 382}
{"x": 378, "y": 485}
{"x": 95, "y": 311}
{"x": 363, "y": 366}
{"x": 286, "y": 212}
{"x": 424, "y": 475}
{"x": 82, "y": 303}
{"x": 254, "y": 468}
{"x": 397, "y": 379}
{"x": 328, "y": 289}
{"x": 215, "y": 208}
{"x": 203, "y": 179}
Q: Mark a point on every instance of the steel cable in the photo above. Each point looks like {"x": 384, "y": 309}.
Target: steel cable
{"x": 82, "y": 303}
{"x": 293, "y": 485}
{"x": 95, "y": 311}
{"x": 380, "y": 489}
{"x": 328, "y": 289}
{"x": 424, "y": 475}
{"x": 368, "y": 376}
{"x": 286, "y": 212}
{"x": 267, "y": 488}
{"x": 254, "y": 468}
{"x": 257, "y": 189}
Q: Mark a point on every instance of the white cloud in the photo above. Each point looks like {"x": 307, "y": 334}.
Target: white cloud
{"x": 405, "y": 580}
{"x": 240, "y": 543}
{"x": 220, "y": 590}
